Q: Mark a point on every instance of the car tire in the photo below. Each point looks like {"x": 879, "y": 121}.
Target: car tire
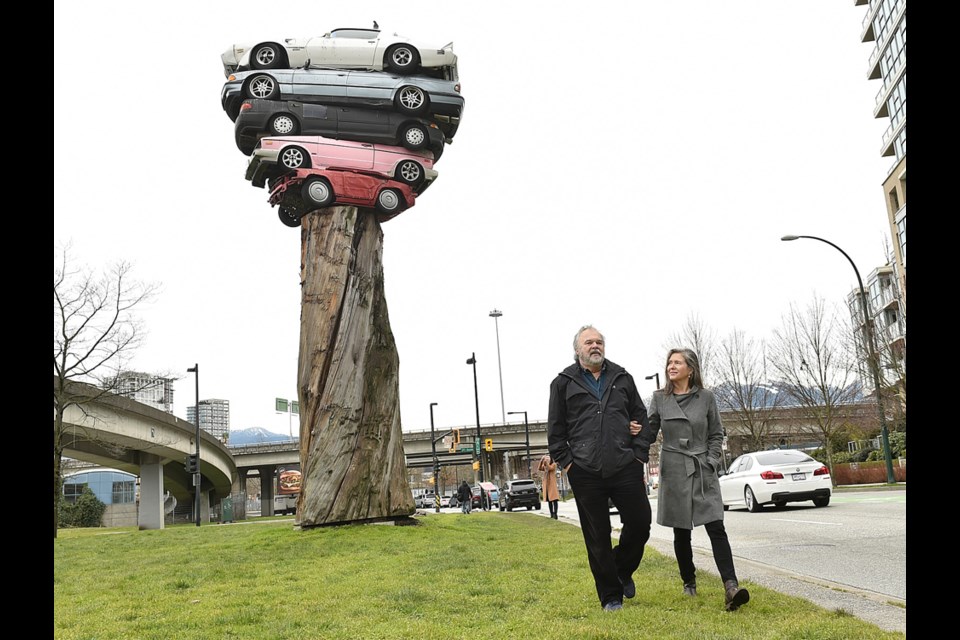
{"x": 415, "y": 137}
{"x": 267, "y": 56}
{"x": 538, "y": 506}
{"x": 411, "y": 100}
{"x": 262, "y": 86}
{"x": 409, "y": 172}
{"x": 288, "y": 217}
{"x": 751, "y": 500}
{"x": 390, "y": 201}
{"x": 283, "y": 124}
{"x": 726, "y": 507}
{"x": 294, "y": 158}
{"x": 821, "y": 502}
{"x": 317, "y": 193}
{"x": 402, "y": 58}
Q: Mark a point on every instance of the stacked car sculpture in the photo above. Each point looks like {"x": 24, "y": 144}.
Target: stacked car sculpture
{"x": 353, "y": 117}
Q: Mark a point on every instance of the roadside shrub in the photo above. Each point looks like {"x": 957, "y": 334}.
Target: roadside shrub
{"x": 87, "y": 511}
{"x": 867, "y": 472}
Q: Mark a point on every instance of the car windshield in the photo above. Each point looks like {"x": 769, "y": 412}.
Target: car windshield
{"x": 526, "y": 484}
{"x": 783, "y": 456}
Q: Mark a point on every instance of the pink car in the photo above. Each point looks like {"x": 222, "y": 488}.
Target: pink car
{"x": 316, "y": 152}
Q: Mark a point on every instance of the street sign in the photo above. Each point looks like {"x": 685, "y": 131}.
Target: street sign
{"x": 476, "y": 446}
{"x": 466, "y": 448}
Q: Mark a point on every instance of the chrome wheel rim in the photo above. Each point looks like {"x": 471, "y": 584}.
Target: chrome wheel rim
{"x": 266, "y": 56}
{"x": 411, "y": 98}
{"x": 410, "y": 171}
{"x": 261, "y": 87}
{"x": 388, "y": 200}
{"x": 292, "y": 158}
{"x": 283, "y": 125}
{"x": 415, "y": 136}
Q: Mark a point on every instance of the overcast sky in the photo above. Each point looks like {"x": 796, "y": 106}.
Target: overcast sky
{"x": 621, "y": 164}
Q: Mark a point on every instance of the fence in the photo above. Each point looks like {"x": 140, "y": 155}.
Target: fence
{"x": 874, "y": 472}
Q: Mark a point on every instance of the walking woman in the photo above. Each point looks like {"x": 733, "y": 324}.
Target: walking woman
{"x": 551, "y": 495}
{"x": 689, "y": 494}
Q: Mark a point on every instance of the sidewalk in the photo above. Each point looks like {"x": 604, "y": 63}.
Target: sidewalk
{"x": 867, "y": 606}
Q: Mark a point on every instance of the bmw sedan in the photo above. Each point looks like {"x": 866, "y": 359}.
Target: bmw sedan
{"x": 259, "y": 118}
{"x": 342, "y": 49}
{"x": 775, "y": 477}
{"x": 410, "y": 95}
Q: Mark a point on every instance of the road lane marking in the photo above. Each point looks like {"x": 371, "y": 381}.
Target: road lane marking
{"x": 839, "y": 524}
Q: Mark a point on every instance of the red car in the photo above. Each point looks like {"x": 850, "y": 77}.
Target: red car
{"x": 303, "y": 190}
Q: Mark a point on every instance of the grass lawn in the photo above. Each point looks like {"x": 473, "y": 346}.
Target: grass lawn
{"x": 483, "y": 576}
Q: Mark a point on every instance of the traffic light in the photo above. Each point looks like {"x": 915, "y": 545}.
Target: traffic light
{"x": 476, "y": 465}
{"x": 455, "y": 441}
{"x": 430, "y": 481}
{"x": 488, "y": 444}
{"x": 191, "y": 463}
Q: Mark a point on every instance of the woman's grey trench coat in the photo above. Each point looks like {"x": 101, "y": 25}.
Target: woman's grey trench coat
{"x": 689, "y": 493}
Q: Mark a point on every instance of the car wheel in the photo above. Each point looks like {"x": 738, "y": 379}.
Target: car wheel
{"x": 538, "y": 506}
{"x": 411, "y": 100}
{"x": 409, "y": 172}
{"x": 509, "y": 507}
{"x": 266, "y": 56}
{"x": 389, "y": 201}
{"x": 317, "y": 192}
{"x": 294, "y": 158}
{"x": 751, "y": 501}
{"x": 529, "y": 507}
{"x": 415, "y": 137}
{"x": 288, "y": 217}
{"x": 283, "y": 125}
{"x": 263, "y": 87}
{"x": 821, "y": 502}
{"x": 726, "y": 507}
{"x": 501, "y": 507}
{"x": 402, "y": 58}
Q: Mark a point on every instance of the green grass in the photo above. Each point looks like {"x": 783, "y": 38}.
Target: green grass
{"x": 489, "y": 576}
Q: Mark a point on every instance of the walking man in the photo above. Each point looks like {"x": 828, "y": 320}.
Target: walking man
{"x": 465, "y": 497}
{"x": 593, "y": 403}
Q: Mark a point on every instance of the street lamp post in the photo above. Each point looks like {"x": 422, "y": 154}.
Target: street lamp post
{"x": 436, "y": 467}
{"x": 496, "y": 313}
{"x": 869, "y": 338}
{"x": 652, "y": 376}
{"x": 476, "y": 399}
{"x": 195, "y": 369}
{"x": 526, "y": 429}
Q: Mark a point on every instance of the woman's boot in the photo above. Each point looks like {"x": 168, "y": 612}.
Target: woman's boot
{"x": 734, "y": 597}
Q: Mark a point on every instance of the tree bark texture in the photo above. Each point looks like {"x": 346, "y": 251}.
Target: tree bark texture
{"x": 351, "y": 444}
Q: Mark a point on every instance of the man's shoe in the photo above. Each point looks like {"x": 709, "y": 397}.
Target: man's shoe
{"x": 613, "y": 605}
{"x": 734, "y": 596}
{"x": 629, "y": 587}
{"x": 689, "y": 588}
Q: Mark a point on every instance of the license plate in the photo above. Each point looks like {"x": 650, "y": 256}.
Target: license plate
{"x": 799, "y": 476}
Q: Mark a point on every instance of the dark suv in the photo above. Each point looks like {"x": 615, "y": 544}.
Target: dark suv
{"x": 519, "y": 493}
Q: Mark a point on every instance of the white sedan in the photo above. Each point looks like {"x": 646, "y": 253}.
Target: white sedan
{"x": 342, "y": 49}
{"x": 775, "y": 477}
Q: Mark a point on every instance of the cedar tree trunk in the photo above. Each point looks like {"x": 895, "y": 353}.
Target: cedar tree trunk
{"x": 351, "y": 445}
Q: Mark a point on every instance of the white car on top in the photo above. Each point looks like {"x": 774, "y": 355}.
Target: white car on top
{"x": 341, "y": 49}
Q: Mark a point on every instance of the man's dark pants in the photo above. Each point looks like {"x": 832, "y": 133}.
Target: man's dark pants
{"x": 627, "y": 491}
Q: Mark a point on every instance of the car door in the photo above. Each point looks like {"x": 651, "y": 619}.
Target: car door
{"x": 731, "y": 489}
{"x": 369, "y": 123}
{"x": 317, "y": 85}
{"x": 351, "y": 51}
{"x": 342, "y": 154}
{"x": 373, "y": 89}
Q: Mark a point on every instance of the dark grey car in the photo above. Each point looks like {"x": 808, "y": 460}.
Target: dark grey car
{"x": 260, "y": 118}
{"x": 410, "y": 95}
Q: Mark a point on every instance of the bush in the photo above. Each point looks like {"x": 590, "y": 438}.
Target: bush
{"x": 898, "y": 444}
{"x": 87, "y": 511}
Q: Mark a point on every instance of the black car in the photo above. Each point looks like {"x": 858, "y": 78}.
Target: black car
{"x": 519, "y": 493}
{"x": 258, "y": 118}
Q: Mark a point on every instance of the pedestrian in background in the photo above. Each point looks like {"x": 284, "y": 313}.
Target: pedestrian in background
{"x": 550, "y": 493}
{"x": 689, "y": 493}
{"x": 465, "y": 497}
{"x": 593, "y": 404}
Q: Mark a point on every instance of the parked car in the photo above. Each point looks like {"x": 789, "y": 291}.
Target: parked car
{"x": 305, "y": 190}
{"x": 775, "y": 477}
{"x": 410, "y": 95}
{"x": 341, "y": 49}
{"x": 475, "y": 501}
{"x": 316, "y": 152}
{"x": 454, "y": 501}
{"x": 519, "y": 493}
{"x": 445, "y": 500}
{"x": 259, "y": 118}
{"x": 425, "y": 500}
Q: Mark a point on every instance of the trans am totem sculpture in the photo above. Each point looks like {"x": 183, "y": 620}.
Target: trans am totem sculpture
{"x": 344, "y": 131}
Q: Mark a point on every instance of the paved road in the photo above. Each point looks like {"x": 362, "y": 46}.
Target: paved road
{"x": 850, "y": 555}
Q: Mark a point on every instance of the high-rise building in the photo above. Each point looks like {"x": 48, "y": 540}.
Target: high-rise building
{"x": 214, "y": 417}
{"x": 149, "y": 389}
{"x": 885, "y": 25}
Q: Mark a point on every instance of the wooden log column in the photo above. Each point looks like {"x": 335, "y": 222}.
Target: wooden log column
{"x": 351, "y": 444}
